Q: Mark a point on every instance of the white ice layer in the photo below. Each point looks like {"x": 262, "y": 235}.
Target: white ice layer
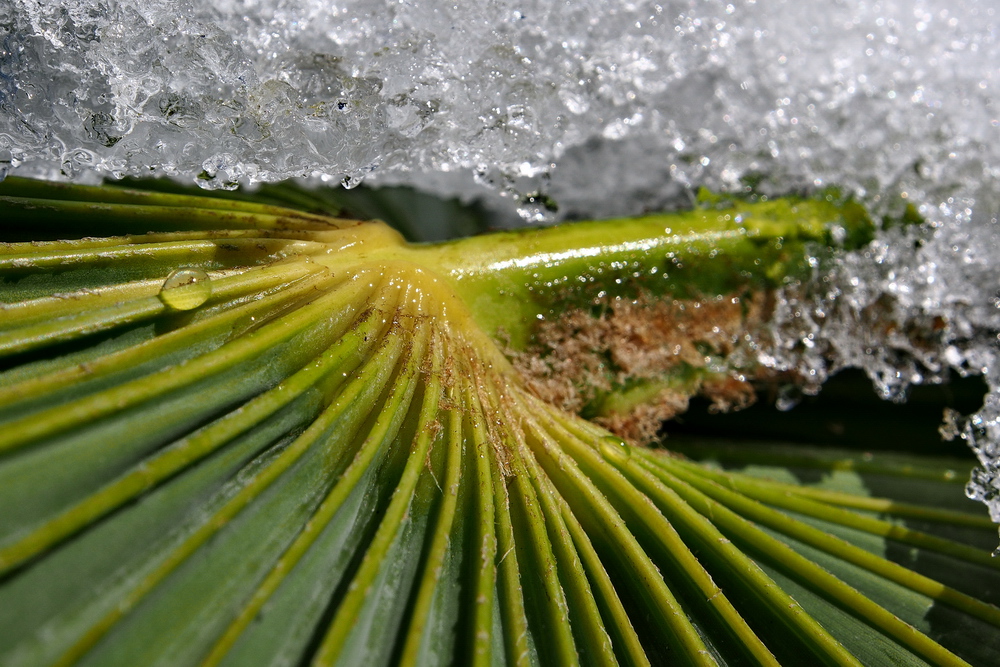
{"x": 607, "y": 108}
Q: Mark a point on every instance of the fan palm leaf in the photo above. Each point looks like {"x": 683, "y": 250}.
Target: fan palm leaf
{"x": 240, "y": 434}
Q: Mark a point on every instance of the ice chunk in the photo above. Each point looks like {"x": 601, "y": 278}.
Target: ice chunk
{"x": 853, "y": 93}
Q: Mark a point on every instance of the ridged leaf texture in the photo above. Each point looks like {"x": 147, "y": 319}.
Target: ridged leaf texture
{"x": 236, "y": 434}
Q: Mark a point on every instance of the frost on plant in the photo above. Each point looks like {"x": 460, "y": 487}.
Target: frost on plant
{"x": 591, "y": 109}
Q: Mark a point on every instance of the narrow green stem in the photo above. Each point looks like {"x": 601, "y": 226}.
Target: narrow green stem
{"x": 576, "y": 483}
{"x": 442, "y": 535}
{"x": 796, "y": 529}
{"x": 26, "y": 187}
{"x": 951, "y": 471}
{"x": 343, "y": 356}
{"x": 387, "y": 425}
{"x": 484, "y": 553}
{"x": 765, "y": 492}
{"x": 808, "y": 573}
{"x": 352, "y": 403}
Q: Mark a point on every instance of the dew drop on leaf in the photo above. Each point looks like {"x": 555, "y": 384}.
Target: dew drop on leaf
{"x": 185, "y": 289}
{"x": 614, "y": 449}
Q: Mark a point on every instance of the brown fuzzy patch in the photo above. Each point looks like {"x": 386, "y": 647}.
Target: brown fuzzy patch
{"x": 582, "y": 355}
{"x": 641, "y": 424}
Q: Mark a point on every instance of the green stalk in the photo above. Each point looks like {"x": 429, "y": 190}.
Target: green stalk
{"x": 33, "y": 387}
{"x": 542, "y": 272}
{"x": 50, "y": 422}
{"x": 853, "y": 501}
{"x": 741, "y": 569}
{"x": 390, "y": 419}
{"x": 593, "y": 636}
{"x": 541, "y": 558}
{"x": 896, "y": 464}
{"x": 577, "y": 485}
{"x": 897, "y": 508}
{"x": 343, "y": 355}
{"x": 624, "y": 637}
{"x": 835, "y": 546}
{"x": 519, "y": 648}
{"x": 23, "y": 187}
{"x": 486, "y": 542}
{"x": 810, "y": 574}
{"x": 362, "y": 387}
{"x": 89, "y": 320}
{"x": 128, "y": 217}
{"x": 777, "y": 497}
{"x": 225, "y": 285}
{"x": 418, "y": 636}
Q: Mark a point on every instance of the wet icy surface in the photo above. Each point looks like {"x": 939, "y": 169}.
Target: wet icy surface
{"x": 603, "y": 108}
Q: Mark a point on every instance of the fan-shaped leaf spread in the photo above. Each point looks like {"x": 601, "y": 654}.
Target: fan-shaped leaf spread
{"x": 235, "y": 434}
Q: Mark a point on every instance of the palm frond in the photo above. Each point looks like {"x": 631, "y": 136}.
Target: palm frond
{"x": 306, "y": 448}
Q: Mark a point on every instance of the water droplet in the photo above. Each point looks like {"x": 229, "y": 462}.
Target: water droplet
{"x": 186, "y": 289}
{"x": 614, "y": 449}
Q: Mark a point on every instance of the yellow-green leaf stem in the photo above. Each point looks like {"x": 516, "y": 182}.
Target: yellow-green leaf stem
{"x": 518, "y": 645}
{"x": 417, "y": 648}
{"x": 765, "y": 493}
{"x": 29, "y": 388}
{"x": 936, "y": 469}
{"x": 540, "y": 568}
{"x": 252, "y": 280}
{"x": 624, "y": 638}
{"x": 601, "y": 518}
{"x": 127, "y": 217}
{"x": 84, "y": 324}
{"x": 386, "y": 426}
{"x": 25, "y": 431}
{"x": 90, "y": 320}
{"x": 181, "y": 253}
{"x": 741, "y": 569}
{"x": 663, "y": 530}
{"x": 23, "y": 187}
{"x": 545, "y": 271}
{"x": 848, "y": 500}
{"x": 363, "y": 384}
{"x": 343, "y": 356}
{"x": 812, "y": 575}
{"x": 486, "y": 542}
{"x": 897, "y": 508}
{"x": 592, "y": 636}
{"x": 833, "y": 545}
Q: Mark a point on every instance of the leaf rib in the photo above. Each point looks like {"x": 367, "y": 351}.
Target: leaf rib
{"x": 837, "y": 547}
{"x": 810, "y": 574}
{"x": 386, "y": 426}
{"x": 32, "y": 389}
{"x": 416, "y": 635}
{"x": 368, "y": 383}
{"x": 27, "y": 430}
{"x": 343, "y": 355}
{"x": 599, "y": 516}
